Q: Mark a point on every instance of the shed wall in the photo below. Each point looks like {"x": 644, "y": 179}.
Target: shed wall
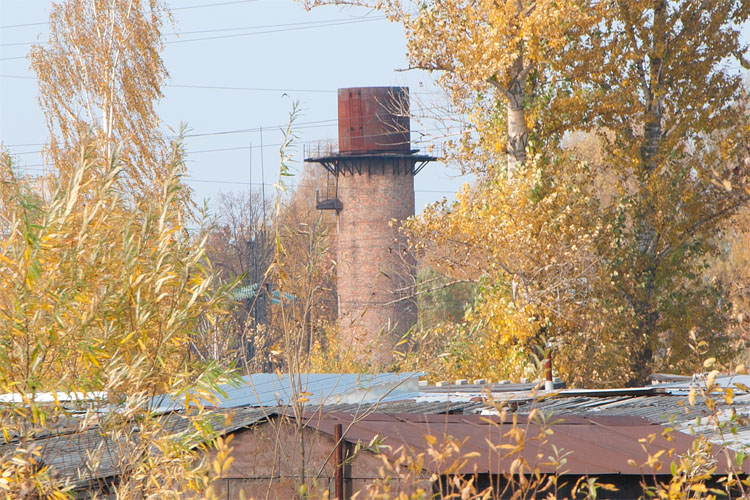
{"x": 268, "y": 463}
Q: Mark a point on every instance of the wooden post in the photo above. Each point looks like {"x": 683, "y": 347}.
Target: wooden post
{"x": 339, "y": 462}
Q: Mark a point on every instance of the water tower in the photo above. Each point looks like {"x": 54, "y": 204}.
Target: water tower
{"x": 372, "y": 192}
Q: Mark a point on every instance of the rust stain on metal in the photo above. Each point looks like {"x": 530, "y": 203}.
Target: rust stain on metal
{"x": 596, "y": 445}
{"x": 374, "y": 119}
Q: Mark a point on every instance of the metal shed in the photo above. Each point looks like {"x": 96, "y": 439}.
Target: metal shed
{"x": 612, "y": 448}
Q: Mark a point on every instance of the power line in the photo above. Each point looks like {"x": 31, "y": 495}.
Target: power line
{"x": 259, "y": 129}
{"x": 22, "y": 25}
{"x": 171, "y": 10}
{"x": 211, "y": 5}
{"x": 249, "y": 89}
{"x": 209, "y": 87}
{"x": 238, "y": 148}
{"x": 314, "y": 124}
{"x": 25, "y": 152}
{"x": 302, "y": 125}
{"x": 266, "y": 89}
{"x": 242, "y": 28}
{"x": 265, "y": 184}
{"x": 274, "y": 31}
{"x": 305, "y": 125}
{"x": 314, "y": 141}
{"x": 290, "y": 26}
{"x": 21, "y": 43}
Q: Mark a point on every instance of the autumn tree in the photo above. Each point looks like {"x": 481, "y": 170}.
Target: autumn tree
{"x": 103, "y": 282}
{"x": 673, "y": 105}
{"x": 731, "y": 268}
{"x": 108, "y": 87}
{"x": 240, "y": 248}
{"x": 441, "y": 299}
{"x": 307, "y": 303}
{"x": 651, "y": 79}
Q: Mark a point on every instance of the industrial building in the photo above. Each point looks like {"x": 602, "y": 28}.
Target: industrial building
{"x": 371, "y": 189}
{"x": 357, "y": 421}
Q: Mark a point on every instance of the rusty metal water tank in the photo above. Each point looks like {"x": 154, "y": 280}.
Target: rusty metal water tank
{"x": 374, "y": 120}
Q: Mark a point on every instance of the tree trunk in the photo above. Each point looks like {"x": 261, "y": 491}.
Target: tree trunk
{"x": 644, "y": 295}
{"x": 518, "y": 134}
{"x": 644, "y": 334}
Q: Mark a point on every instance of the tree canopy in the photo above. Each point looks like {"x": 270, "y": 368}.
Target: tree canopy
{"x": 601, "y": 250}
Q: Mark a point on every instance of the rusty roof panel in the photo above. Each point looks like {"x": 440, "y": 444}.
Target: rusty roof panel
{"x": 596, "y": 444}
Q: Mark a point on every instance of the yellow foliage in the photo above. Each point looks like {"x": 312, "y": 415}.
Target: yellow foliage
{"x": 103, "y": 283}
{"x": 621, "y": 285}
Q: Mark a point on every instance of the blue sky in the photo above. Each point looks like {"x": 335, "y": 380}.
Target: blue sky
{"x": 217, "y": 79}
{"x": 298, "y": 55}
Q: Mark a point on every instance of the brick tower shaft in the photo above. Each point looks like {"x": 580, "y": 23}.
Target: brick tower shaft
{"x": 374, "y": 170}
{"x": 376, "y": 271}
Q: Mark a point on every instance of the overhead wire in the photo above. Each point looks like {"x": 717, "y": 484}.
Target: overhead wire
{"x": 257, "y": 146}
{"x": 284, "y": 26}
{"x": 313, "y": 141}
{"x": 330, "y": 122}
{"x": 323, "y": 141}
{"x": 25, "y": 145}
{"x": 22, "y": 25}
{"x": 211, "y": 5}
{"x": 237, "y": 35}
{"x": 171, "y": 9}
{"x": 302, "y": 125}
{"x": 249, "y": 89}
{"x": 311, "y": 124}
{"x": 34, "y": 168}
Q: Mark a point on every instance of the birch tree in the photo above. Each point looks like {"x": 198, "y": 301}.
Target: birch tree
{"x": 100, "y": 79}
{"x": 102, "y": 284}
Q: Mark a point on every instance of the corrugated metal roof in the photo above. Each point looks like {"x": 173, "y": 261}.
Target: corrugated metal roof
{"x": 398, "y": 394}
{"x": 69, "y": 450}
{"x": 270, "y": 389}
{"x": 665, "y": 403}
{"x": 676, "y": 382}
{"x": 479, "y": 388}
{"x": 506, "y": 392}
{"x": 597, "y": 445}
{"x": 666, "y": 409}
{"x": 84, "y": 457}
{"x": 405, "y": 406}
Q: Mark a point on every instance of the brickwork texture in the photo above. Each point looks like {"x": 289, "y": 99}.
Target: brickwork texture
{"x": 375, "y": 272}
